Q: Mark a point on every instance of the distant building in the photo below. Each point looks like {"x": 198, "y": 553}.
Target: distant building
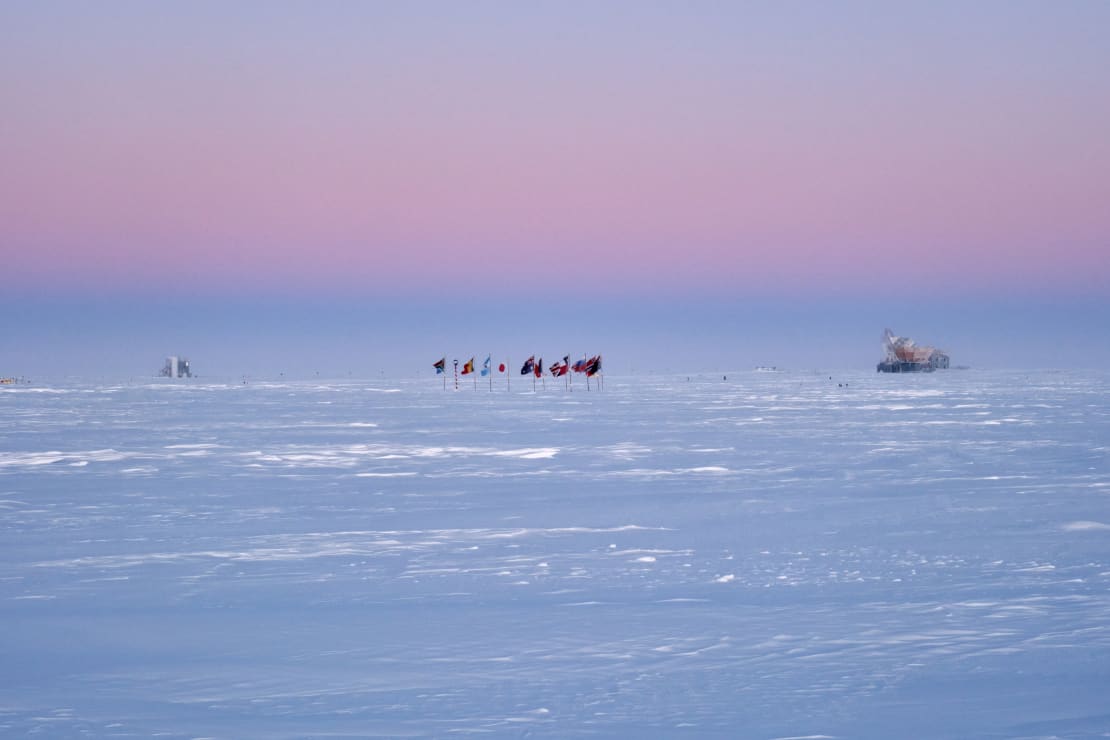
{"x": 903, "y": 355}
{"x": 176, "y": 367}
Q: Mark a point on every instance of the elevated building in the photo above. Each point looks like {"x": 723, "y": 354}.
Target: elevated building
{"x": 903, "y": 355}
{"x": 176, "y": 367}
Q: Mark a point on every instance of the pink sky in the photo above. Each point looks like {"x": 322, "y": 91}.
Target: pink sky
{"x": 790, "y": 148}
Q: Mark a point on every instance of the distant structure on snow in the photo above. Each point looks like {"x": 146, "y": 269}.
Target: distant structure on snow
{"x": 903, "y": 355}
{"x": 176, "y": 367}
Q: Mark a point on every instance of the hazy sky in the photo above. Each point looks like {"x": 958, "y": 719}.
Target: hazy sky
{"x": 365, "y": 186}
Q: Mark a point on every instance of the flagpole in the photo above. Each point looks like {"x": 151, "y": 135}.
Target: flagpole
{"x": 489, "y": 367}
{"x": 456, "y": 374}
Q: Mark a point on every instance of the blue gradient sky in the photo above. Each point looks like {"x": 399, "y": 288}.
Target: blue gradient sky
{"x": 228, "y": 338}
{"x": 364, "y": 186}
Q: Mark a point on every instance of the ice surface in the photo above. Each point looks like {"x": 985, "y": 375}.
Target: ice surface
{"x": 778, "y": 555}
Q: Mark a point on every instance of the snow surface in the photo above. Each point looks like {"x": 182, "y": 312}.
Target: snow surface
{"x": 778, "y": 555}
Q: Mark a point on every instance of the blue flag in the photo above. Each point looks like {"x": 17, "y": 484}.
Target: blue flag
{"x": 485, "y": 367}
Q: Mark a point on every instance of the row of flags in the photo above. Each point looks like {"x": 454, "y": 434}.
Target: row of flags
{"x": 532, "y": 366}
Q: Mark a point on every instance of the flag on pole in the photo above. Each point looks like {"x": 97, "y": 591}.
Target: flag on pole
{"x": 594, "y": 366}
{"x": 529, "y": 365}
{"x": 468, "y": 368}
{"x": 580, "y": 366}
{"x": 501, "y": 368}
{"x": 559, "y": 369}
{"x": 539, "y": 368}
{"x": 485, "y": 367}
{"x": 440, "y": 366}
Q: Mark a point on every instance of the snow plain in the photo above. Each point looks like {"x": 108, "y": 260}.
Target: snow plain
{"x": 775, "y": 555}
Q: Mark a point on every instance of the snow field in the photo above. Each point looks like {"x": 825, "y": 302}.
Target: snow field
{"x": 776, "y": 555}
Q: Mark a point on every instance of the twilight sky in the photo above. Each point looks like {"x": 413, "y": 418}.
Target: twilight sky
{"x": 360, "y": 181}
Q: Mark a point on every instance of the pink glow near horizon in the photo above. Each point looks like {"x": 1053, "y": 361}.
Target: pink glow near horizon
{"x": 667, "y": 155}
